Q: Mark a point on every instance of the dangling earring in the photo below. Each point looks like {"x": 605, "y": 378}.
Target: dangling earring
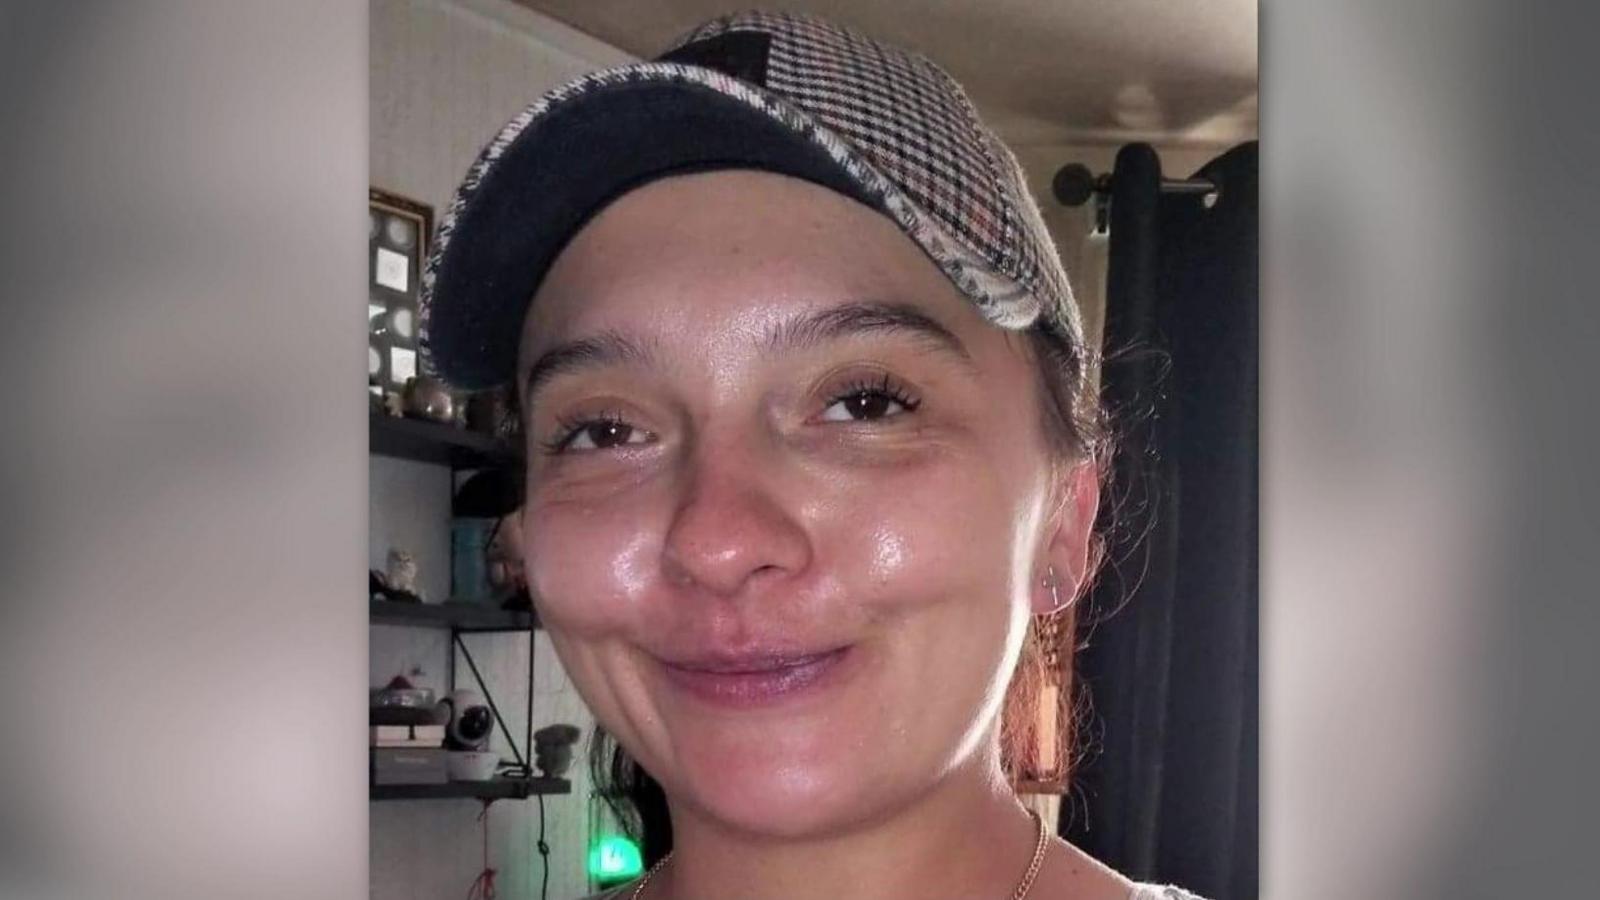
{"x": 1049, "y": 627}
{"x": 1047, "y": 733}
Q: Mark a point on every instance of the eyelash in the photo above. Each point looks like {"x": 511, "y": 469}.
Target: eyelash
{"x": 568, "y": 430}
{"x": 883, "y": 386}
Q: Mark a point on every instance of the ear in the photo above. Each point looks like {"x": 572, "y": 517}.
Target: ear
{"x": 1066, "y": 550}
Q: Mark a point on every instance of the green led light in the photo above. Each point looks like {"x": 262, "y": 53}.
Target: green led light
{"x": 615, "y": 858}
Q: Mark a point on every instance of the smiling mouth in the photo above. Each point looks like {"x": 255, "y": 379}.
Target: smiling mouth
{"x": 755, "y": 680}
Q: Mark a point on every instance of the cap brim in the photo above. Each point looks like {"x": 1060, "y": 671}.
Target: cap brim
{"x": 567, "y": 157}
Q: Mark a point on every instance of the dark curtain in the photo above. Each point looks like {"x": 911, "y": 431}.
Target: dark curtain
{"x": 1168, "y": 659}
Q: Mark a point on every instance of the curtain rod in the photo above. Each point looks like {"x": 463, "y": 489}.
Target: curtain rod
{"x": 1075, "y": 185}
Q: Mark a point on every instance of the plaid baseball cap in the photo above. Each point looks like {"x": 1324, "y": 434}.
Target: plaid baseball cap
{"x": 779, "y": 92}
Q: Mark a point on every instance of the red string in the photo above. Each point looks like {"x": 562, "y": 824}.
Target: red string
{"x": 483, "y": 886}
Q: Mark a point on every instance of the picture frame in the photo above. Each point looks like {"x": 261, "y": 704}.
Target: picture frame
{"x": 400, "y": 234}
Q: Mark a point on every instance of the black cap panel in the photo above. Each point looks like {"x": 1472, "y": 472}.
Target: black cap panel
{"x": 563, "y": 169}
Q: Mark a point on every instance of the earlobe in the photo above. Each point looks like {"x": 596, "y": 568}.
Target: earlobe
{"x": 1049, "y": 598}
{"x": 1067, "y": 553}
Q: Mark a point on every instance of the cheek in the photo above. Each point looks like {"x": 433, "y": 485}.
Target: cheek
{"x": 588, "y": 566}
{"x": 934, "y": 535}
{"x": 931, "y": 560}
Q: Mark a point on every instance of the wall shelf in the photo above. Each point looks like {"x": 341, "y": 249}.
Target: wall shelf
{"x": 461, "y": 617}
{"x": 436, "y": 443}
{"x": 494, "y": 789}
{"x": 433, "y": 442}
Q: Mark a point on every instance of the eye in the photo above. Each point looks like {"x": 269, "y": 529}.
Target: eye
{"x": 866, "y": 402}
{"x": 597, "y": 434}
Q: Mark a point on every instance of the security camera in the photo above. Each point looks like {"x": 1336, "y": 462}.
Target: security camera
{"x": 470, "y": 721}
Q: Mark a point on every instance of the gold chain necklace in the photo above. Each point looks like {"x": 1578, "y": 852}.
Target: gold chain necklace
{"x": 1019, "y": 894}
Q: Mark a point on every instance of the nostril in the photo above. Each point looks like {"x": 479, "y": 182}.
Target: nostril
{"x": 762, "y": 573}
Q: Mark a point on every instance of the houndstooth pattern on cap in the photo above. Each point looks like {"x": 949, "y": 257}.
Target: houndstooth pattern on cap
{"x": 910, "y": 120}
{"x": 950, "y": 186}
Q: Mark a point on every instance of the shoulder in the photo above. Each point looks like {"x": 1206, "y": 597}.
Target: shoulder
{"x": 1160, "y": 892}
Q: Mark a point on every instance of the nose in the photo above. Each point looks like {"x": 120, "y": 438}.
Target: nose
{"x": 732, "y": 528}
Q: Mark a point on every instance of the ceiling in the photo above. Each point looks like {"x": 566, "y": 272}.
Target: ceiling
{"x": 1043, "y": 72}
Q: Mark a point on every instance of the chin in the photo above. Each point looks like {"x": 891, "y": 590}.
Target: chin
{"x": 821, "y": 761}
{"x": 780, "y": 772}
{"x": 788, "y": 800}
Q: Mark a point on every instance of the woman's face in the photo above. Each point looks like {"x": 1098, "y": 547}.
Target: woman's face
{"x": 788, "y": 500}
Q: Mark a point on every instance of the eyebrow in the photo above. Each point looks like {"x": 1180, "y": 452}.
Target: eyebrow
{"x": 607, "y": 348}
{"x": 812, "y": 329}
{"x": 805, "y": 331}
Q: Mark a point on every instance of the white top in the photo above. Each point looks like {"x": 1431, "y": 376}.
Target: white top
{"x": 1160, "y": 892}
{"x": 1140, "y": 892}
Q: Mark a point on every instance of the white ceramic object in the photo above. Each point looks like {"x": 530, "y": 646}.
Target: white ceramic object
{"x": 473, "y": 765}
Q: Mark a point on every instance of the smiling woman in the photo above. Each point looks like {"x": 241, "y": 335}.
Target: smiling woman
{"x": 790, "y": 525}
{"x": 809, "y": 447}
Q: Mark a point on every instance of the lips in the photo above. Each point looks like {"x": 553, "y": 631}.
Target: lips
{"x": 755, "y": 679}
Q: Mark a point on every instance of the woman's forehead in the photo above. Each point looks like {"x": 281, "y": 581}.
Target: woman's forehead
{"x": 737, "y": 255}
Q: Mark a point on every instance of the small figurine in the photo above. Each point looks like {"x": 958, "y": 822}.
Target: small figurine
{"x": 552, "y": 748}
{"x": 402, "y": 574}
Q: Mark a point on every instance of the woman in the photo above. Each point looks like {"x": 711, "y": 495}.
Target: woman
{"x": 809, "y": 444}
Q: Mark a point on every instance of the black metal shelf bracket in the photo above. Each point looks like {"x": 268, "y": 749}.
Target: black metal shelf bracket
{"x": 524, "y": 764}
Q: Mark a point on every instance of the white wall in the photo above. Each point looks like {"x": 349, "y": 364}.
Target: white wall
{"x": 444, "y": 77}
